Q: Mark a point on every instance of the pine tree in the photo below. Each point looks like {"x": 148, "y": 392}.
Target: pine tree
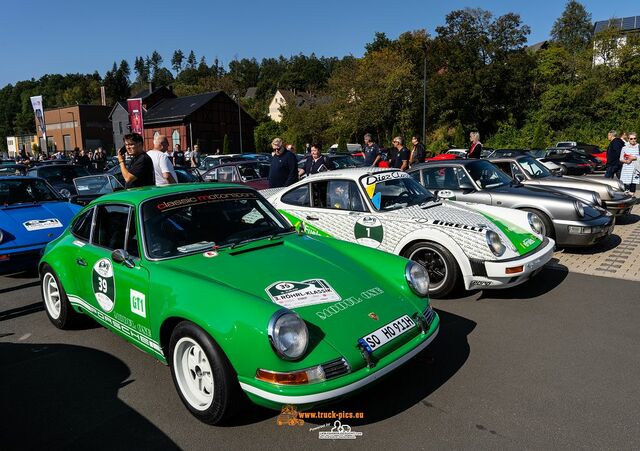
{"x": 191, "y": 60}
{"x": 573, "y": 28}
{"x": 177, "y": 60}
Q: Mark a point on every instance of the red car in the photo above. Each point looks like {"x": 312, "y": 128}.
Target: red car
{"x": 251, "y": 173}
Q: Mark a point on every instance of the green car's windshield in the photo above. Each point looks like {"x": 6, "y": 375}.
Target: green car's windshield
{"x": 23, "y": 191}
{"x": 394, "y": 190}
{"x": 534, "y": 168}
{"x": 191, "y": 222}
{"x": 487, "y": 175}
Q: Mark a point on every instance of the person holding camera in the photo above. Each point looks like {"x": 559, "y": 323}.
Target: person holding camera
{"x": 140, "y": 171}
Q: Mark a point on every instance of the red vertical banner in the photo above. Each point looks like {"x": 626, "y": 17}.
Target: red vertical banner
{"x": 134, "y": 106}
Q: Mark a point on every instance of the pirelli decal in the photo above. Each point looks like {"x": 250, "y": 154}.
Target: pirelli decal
{"x": 439, "y": 222}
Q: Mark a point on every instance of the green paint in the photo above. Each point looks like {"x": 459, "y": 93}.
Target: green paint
{"x": 295, "y": 221}
{"x": 523, "y": 241}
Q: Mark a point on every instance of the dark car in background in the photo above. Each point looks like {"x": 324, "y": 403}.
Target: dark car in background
{"x": 251, "y": 173}
{"x": 13, "y": 169}
{"x": 568, "y": 220}
{"x": 60, "y": 176}
{"x": 572, "y": 163}
{"x": 93, "y": 186}
{"x": 211, "y": 161}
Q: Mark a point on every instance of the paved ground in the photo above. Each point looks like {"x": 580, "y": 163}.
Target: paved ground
{"x": 616, "y": 256}
{"x": 552, "y": 364}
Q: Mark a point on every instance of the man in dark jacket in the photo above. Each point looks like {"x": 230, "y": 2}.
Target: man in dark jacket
{"x": 284, "y": 166}
{"x": 614, "y": 166}
{"x": 400, "y": 158}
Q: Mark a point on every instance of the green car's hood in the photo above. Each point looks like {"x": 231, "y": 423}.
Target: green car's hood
{"x": 297, "y": 276}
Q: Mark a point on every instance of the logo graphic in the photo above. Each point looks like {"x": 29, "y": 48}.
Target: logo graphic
{"x": 103, "y": 284}
{"x": 373, "y": 316}
{"x": 138, "y": 304}
{"x": 289, "y": 416}
{"x": 368, "y": 231}
{"x": 41, "y": 224}
{"x": 211, "y": 254}
{"x": 297, "y": 294}
{"x": 339, "y": 431}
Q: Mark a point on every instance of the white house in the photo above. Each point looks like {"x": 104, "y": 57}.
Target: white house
{"x": 603, "y": 52}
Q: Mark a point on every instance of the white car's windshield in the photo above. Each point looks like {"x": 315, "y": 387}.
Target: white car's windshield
{"x": 394, "y": 190}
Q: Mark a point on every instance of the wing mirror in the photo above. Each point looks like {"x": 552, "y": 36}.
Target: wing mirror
{"x": 466, "y": 187}
{"x": 519, "y": 177}
{"x": 446, "y": 194}
{"x": 123, "y": 257}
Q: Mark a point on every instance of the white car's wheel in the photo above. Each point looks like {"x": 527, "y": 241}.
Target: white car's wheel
{"x": 440, "y": 265}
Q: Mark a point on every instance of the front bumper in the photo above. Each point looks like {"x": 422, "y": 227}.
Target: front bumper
{"x": 621, "y": 206}
{"x": 274, "y": 396}
{"x": 495, "y": 272}
{"x": 583, "y": 233}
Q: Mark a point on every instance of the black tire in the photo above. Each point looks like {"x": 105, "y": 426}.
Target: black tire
{"x": 444, "y": 273}
{"x": 564, "y": 169}
{"x": 212, "y": 365}
{"x": 58, "y": 308}
{"x": 549, "y": 230}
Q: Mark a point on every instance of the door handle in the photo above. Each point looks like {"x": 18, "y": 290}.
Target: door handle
{"x": 80, "y": 261}
{"x": 312, "y": 218}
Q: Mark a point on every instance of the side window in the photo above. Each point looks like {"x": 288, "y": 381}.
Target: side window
{"x": 433, "y": 178}
{"x": 338, "y": 195}
{"x": 226, "y": 174}
{"x": 111, "y": 226}
{"x": 462, "y": 176}
{"x": 416, "y": 176}
{"x": 82, "y": 227}
{"x": 516, "y": 170}
{"x": 298, "y": 197}
{"x": 505, "y": 167}
{"x": 132, "y": 237}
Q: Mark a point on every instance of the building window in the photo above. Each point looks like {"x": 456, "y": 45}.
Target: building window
{"x": 120, "y": 127}
{"x": 175, "y": 137}
{"x": 66, "y": 142}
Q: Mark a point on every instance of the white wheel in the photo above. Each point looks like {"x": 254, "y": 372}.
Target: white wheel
{"x": 51, "y": 293}
{"x": 193, "y": 373}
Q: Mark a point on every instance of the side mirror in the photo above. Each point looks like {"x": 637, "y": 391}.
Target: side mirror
{"x": 123, "y": 257}
{"x": 299, "y": 228}
{"x": 519, "y": 177}
{"x": 446, "y": 194}
{"x": 466, "y": 187}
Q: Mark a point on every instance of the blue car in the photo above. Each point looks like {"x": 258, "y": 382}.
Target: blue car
{"x": 32, "y": 213}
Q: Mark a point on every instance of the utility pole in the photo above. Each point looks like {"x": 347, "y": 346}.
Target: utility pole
{"x": 424, "y": 98}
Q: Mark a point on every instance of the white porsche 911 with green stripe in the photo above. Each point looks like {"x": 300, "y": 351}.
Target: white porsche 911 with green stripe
{"x": 475, "y": 245}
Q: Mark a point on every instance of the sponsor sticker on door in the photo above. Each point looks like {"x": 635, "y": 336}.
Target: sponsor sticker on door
{"x": 138, "y": 303}
{"x": 103, "y": 284}
{"x": 290, "y": 294}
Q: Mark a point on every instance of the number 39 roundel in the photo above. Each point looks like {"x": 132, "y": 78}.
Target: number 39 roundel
{"x": 103, "y": 284}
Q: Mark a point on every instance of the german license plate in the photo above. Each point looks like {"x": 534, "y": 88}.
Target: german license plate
{"x": 386, "y": 333}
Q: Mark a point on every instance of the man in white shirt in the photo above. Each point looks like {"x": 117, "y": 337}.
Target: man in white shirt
{"x": 162, "y": 166}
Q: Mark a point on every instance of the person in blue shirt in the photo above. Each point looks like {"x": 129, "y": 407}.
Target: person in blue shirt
{"x": 371, "y": 151}
{"x": 284, "y": 166}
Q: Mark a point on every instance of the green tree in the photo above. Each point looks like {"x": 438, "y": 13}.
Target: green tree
{"x": 264, "y": 133}
{"x": 176, "y": 61}
{"x": 380, "y": 41}
{"x": 573, "y": 28}
{"x": 191, "y": 60}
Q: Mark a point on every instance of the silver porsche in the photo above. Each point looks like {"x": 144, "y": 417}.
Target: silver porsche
{"x": 567, "y": 219}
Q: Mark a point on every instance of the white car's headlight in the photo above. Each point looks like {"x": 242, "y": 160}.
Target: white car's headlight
{"x": 417, "y": 278}
{"x": 536, "y": 223}
{"x": 579, "y": 206}
{"x": 495, "y": 243}
{"x": 288, "y": 335}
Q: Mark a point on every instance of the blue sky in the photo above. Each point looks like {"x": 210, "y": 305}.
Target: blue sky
{"x": 39, "y": 37}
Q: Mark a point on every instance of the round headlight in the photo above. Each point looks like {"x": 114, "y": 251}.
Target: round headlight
{"x": 579, "y": 206}
{"x": 65, "y": 192}
{"x": 609, "y": 191}
{"x": 597, "y": 200}
{"x": 417, "y": 278}
{"x": 495, "y": 243}
{"x": 288, "y": 335}
{"x": 536, "y": 224}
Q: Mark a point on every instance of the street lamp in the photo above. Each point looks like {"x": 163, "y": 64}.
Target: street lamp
{"x": 73, "y": 118}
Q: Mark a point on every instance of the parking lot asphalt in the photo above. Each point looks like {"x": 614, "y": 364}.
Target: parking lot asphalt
{"x": 550, "y": 364}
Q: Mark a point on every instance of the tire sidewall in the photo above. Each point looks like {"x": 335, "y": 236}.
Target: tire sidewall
{"x": 224, "y": 378}
{"x": 66, "y": 317}
{"x": 453, "y": 272}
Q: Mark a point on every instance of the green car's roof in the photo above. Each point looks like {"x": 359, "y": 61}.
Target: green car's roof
{"x": 138, "y": 195}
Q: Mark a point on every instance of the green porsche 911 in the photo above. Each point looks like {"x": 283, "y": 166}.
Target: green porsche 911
{"x": 211, "y": 280}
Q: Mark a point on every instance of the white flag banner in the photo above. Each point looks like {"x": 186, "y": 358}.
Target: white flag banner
{"x": 38, "y": 110}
